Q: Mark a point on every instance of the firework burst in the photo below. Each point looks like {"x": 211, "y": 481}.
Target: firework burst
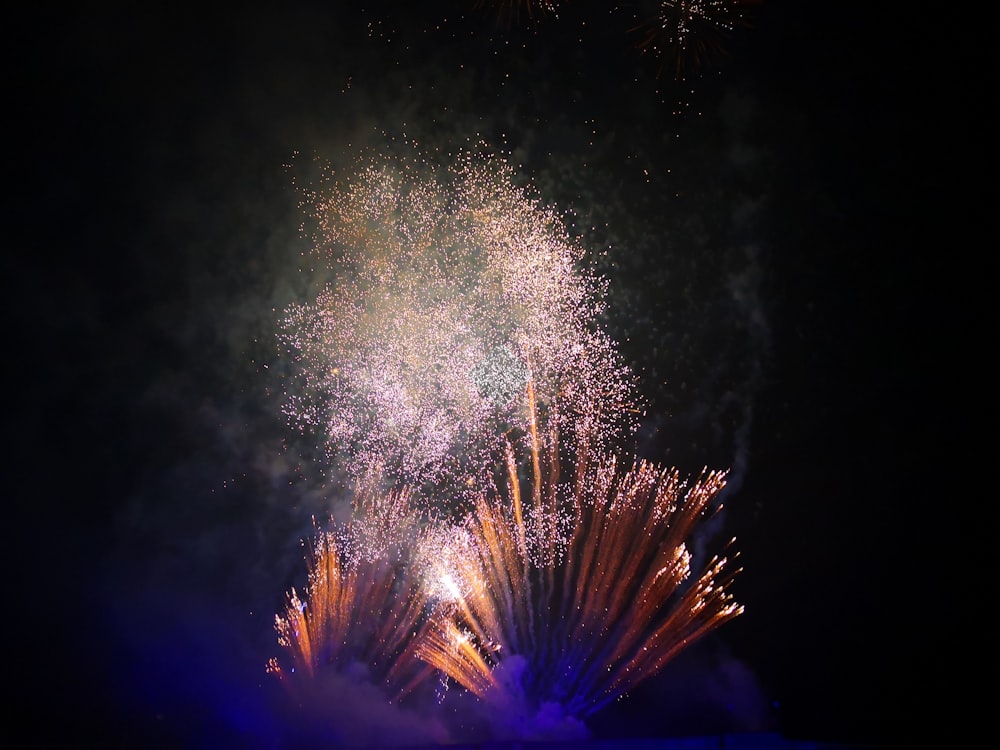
{"x": 585, "y": 580}
{"x": 512, "y": 11}
{"x": 455, "y": 353}
{"x": 451, "y": 288}
{"x": 361, "y": 610}
{"x": 686, "y": 34}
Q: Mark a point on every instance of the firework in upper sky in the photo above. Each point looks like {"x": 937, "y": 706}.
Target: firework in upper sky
{"x": 515, "y": 10}
{"x": 569, "y": 589}
{"x": 450, "y": 288}
{"x": 686, "y": 34}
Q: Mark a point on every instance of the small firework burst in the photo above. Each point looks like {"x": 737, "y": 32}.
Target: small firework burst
{"x": 585, "y": 579}
{"x": 451, "y": 287}
{"x": 361, "y": 609}
{"x": 514, "y": 11}
{"x": 687, "y": 34}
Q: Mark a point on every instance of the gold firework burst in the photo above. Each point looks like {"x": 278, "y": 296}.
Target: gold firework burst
{"x": 586, "y": 578}
{"x": 359, "y": 607}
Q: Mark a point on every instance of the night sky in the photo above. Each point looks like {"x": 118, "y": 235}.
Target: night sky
{"x": 788, "y": 235}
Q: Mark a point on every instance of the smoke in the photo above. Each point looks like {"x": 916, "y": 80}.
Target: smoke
{"x": 705, "y": 690}
{"x": 513, "y": 717}
{"x": 344, "y": 709}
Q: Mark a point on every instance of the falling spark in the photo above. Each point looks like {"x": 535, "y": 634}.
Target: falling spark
{"x": 587, "y": 578}
{"x": 451, "y": 287}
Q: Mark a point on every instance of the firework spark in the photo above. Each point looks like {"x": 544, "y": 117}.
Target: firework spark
{"x": 512, "y": 10}
{"x": 361, "y": 610}
{"x": 586, "y": 579}
{"x": 451, "y": 287}
{"x": 686, "y": 34}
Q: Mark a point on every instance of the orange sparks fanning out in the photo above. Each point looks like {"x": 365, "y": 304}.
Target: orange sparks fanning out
{"x": 559, "y": 588}
{"x": 360, "y": 605}
{"x": 586, "y": 578}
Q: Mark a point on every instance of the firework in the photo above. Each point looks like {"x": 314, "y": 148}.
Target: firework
{"x": 686, "y": 34}
{"x": 361, "y": 610}
{"x": 584, "y": 580}
{"x": 451, "y": 288}
{"x": 512, "y": 10}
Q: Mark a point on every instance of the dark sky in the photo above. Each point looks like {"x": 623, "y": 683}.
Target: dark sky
{"x": 791, "y": 236}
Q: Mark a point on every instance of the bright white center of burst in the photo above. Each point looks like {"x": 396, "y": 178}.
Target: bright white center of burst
{"x": 443, "y": 584}
{"x": 445, "y": 562}
{"x": 448, "y": 584}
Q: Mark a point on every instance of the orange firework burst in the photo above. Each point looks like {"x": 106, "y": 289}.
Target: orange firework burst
{"x": 585, "y": 579}
{"x": 360, "y": 606}
{"x": 686, "y": 34}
